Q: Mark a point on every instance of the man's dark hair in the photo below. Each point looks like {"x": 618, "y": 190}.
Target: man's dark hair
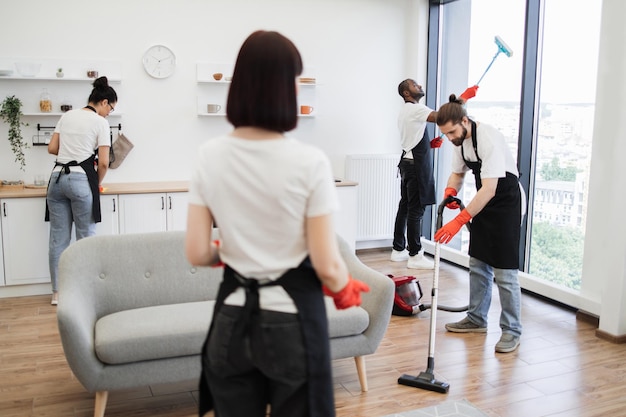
{"x": 404, "y": 86}
{"x": 263, "y": 89}
{"x": 453, "y": 111}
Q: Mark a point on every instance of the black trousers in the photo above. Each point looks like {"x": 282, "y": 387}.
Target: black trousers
{"x": 266, "y": 364}
{"x": 410, "y": 211}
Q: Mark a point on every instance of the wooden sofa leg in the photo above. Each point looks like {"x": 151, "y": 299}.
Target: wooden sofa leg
{"x": 361, "y": 372}
{"x": 101, "y": 403}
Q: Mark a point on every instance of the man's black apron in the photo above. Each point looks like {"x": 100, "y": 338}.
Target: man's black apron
{"x": 424, "y": 170}
{"x": 495, "y": 234}
{"x": 92, "y": 177}
{"x": 304, "y": 287}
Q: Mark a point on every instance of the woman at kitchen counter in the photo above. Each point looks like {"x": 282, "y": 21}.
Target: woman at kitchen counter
{"x": 80, "y": 137}
{"x": 273, "y": 198}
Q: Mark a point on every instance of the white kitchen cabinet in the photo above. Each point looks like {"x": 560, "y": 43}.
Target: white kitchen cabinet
{"x": 1, "y": 255}
{"x": 177, "y": 204}
{"x": 152, "y": 212}
{"x": 345, "y": 218}
{"x": 25, "y": 237}
{"x": 110, "y": 224}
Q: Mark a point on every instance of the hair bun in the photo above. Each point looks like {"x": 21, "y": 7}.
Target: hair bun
{"x": 101, "y": 82}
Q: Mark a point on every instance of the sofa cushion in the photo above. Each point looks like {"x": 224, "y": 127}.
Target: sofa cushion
{"x": 156, "y": 332}
{"x": 174, "y": 330}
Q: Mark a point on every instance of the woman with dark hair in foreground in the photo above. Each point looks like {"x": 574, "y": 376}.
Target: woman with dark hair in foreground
{"x": 273, "y": 199}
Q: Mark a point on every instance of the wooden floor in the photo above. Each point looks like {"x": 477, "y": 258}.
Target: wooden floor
{"x": 561, "y": 368}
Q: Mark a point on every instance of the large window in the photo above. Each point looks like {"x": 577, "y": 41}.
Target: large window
{"x": 566, "y": 108}
{"x": 465, "y": 60}
{"x": 560, "y": 104}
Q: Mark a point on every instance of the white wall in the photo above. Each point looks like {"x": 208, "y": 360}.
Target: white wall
{"x": 358, "y": 50}
{"x": 604, "y": 266}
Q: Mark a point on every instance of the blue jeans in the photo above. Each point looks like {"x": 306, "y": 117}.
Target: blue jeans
{"x": 410, "y": 211}
{"x": 481, "y": 284}
{"x": 69, "y": 201}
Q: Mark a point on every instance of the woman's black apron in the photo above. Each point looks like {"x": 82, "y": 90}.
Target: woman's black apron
{"x": 88, "y": 165}
{"x": 495, "y": 234}
{"x": 304, "y": 287}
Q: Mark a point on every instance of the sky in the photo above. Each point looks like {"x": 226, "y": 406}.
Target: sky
{"x": 570, "y": 49}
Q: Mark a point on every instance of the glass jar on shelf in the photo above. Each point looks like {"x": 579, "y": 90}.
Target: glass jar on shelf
{"x": 45, "y": 103}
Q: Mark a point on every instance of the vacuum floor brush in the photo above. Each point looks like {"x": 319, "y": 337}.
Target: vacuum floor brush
{"x": 426, "y": 380}
{"x": 502, "y": 48}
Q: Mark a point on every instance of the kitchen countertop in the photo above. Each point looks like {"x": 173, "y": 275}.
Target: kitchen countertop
{"x": 122, "y": 188}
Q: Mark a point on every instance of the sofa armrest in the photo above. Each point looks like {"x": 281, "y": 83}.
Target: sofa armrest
{"x": 77, "y": 314}
{"x": 378, "y": 302}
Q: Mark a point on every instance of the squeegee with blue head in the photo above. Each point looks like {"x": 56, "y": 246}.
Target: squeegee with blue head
{"x": 502, "y": 48}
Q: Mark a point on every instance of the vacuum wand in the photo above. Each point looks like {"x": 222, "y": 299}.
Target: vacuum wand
{"x": 502, "y": 48}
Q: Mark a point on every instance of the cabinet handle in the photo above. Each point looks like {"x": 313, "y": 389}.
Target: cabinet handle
{"x": 162, "y": 203}
{"x": 4, "y": 209}
{"x": 170, "y": 201}
{"x": 114, "y": 208}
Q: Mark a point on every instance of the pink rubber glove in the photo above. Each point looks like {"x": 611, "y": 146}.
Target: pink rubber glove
{"x": 436, "y": 143}
{"x": 449, "y": 191}
{"x": 447, "y": 232}
{"x": 469, "y": 93}
{"x": 350, "y": 295}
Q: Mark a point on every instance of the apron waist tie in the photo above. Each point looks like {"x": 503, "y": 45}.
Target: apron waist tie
{"x": 251, "y": 306}
{"x": 65, "y": 168}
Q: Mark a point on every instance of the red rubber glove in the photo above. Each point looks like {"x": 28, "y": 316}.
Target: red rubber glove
{"x": 469, "y": 93}
{"x": 220, "y": 264}
{"x": 350, "y": 295}
{"x": 447, "y": 232}
{"x": 436, "y": 143}
{"x": 449, "y": 191}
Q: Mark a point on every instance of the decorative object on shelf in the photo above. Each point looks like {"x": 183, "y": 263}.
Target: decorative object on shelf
{"x": 45, "y": 103}
{"x": 28, "y": 69}
{"x": 11, "y": 113}
{"x": 213, "y": 108}
{"x": 306, "y": 109}
{"x": 218, "y": 76}
{"x": 92, "y": 74}
{"x": 60, "y": 73}
{"x": 66, "y": 105}
{"x": 159, "y": 61}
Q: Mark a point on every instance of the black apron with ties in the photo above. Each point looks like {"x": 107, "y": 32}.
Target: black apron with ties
{"x": 424, "y": 170}
{"x": 92, "y": 177}
{"x": 304, "y": 287}
{"x": 495, "y": 234}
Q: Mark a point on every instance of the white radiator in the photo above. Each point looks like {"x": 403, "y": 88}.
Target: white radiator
{"x": 378, "y": 194}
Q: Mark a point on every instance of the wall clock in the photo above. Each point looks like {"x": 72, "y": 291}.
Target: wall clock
{"x": 159, "y": 61}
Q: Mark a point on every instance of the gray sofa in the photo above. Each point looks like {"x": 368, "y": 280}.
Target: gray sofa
{"x": 133, "y": 312}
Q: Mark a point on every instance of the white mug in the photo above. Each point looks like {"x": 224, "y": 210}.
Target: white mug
{"x": 213, "y": 108}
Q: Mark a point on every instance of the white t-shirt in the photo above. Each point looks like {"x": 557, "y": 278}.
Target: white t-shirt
{"x": 81, "y": 132}
{"x": 260, "y": 192}
{"x": 412, "y": 123}
{"x": 493, "y": 151}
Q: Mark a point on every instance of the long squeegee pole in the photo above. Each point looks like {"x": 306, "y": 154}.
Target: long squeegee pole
{"x": 490, "y": 64}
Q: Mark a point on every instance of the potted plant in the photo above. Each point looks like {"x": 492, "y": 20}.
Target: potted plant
{"x": 60, "y": 73}
{"x": 11, "y": 113}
